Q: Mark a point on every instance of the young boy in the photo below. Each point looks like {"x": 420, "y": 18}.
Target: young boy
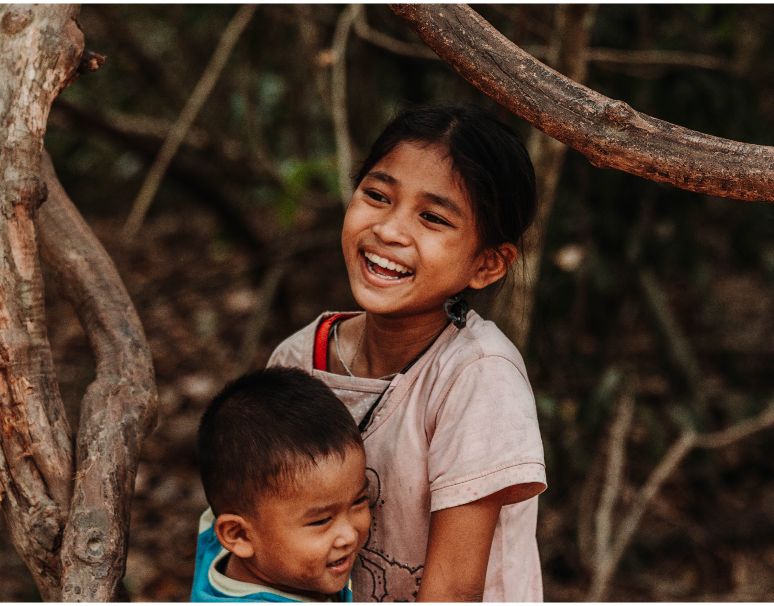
{"x": 283, "y": 469}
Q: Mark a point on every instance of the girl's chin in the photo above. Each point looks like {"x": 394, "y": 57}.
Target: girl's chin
{"x": 378, "y": 306}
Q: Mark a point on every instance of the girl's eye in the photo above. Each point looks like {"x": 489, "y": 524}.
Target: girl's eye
{"x": 432, "y": 218}
{"x": 361, "y": 501}
{"x": 321, "y": 522}
{"x": 375, "y": 195}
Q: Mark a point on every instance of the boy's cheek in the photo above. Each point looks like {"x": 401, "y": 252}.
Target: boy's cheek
{"x": 364, "y": 526}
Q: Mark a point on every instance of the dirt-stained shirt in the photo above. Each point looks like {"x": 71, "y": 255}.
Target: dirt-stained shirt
{"x": 459, "y": 425}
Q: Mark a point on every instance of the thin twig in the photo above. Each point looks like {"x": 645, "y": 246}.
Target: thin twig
{"x": 689, "y": 440}
{"x": 614, "y": 472}
{"x": 658, "y": 58}
{"x": 192, "y": 107}
{"x": 606, "y": 566}
{"x": 644, "y": 58}
{"x": 568, "y": 55}
{"x": 156, "y": 73}
{"x": 260, "y": 315}
{"x": 678, "y": 345}
{"x": 281, "y": 253}
{"x": 339, "y": 100}
{"x": 399, "y": 47}
{"x": 740, "y": 431}
{"x": 309, "y": 37}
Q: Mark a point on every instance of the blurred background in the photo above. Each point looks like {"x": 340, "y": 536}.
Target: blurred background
{"x": 652, "y": 311}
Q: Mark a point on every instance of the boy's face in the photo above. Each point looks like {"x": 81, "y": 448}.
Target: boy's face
{"x": 306, "y": 540}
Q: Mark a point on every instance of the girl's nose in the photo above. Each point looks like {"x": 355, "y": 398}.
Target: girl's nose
{"x": 392, "y": 229}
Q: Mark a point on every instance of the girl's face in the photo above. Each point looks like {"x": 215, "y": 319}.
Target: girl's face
{"x": 409, "y": 236}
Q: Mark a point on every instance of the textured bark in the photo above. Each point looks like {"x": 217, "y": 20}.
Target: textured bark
{"x": 568, "y": 53}
{"x": 40, "y": 49}
{"x": 118, "y": 409}
{"x": 608, "y": 132}
{"x": 69, "y": 528}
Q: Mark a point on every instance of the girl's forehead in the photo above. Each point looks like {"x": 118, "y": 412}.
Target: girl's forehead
{"x": 428, "y": 165}
{"x": 432, "y": 151}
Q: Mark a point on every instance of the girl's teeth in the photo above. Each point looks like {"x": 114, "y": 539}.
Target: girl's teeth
{"x": 387, "y": 264}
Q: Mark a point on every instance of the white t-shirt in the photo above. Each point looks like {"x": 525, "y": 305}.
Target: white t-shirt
{"x": 459, "y": 425}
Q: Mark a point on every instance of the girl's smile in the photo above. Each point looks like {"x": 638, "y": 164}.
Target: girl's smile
{"x": 409, "y": 236}
{"x": 384, "y": 268}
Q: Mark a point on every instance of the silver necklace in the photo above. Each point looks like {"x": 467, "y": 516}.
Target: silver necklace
{"x": 338, "y": 351}
{"x": 354, "y": 356}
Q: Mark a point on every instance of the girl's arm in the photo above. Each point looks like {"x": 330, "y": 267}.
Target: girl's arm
{"x": 458, "y": 551}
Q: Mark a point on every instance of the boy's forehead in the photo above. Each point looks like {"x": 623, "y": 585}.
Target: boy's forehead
{"x": 312, "y": 483}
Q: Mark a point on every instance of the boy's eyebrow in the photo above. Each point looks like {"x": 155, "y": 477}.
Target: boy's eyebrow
{"x": 442, "y": 201}
{"x": 316, "y": 511}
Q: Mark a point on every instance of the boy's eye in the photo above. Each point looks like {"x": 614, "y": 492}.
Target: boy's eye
{"x": 375, "y": 195}
{"x": 432, "y": 218}
{"x": 361, "y": 500}
{"x": 320, "y": 522}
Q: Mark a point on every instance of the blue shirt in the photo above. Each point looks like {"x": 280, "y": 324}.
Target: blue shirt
{"x": 209, "y": 552}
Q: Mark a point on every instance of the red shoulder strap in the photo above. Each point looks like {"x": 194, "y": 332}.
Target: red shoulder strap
{"x": 320, "y": 358}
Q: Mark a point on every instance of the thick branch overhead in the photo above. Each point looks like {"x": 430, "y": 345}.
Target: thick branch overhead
{"x": 608, "y": 132}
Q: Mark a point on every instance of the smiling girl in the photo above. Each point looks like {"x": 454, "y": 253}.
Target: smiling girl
{"x": 441, "y": 395}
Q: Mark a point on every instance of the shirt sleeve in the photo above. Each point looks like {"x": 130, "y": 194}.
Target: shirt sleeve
{"x": 486, "y": 438}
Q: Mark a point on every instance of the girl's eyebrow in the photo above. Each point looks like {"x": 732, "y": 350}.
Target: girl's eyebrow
{"x": 382, "y": 176}
{"x": 442, "y": 201}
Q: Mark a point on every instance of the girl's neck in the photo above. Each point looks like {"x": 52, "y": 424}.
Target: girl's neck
{"x": 389, "y": 344}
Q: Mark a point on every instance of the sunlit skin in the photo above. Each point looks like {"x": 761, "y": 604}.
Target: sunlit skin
{"x": 410, "y": 209}
{"x": 305, "y": 540}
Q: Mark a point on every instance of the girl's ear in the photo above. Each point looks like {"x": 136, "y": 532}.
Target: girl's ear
{"x": 233, "y": 532}
{"x": 494, "y": 263}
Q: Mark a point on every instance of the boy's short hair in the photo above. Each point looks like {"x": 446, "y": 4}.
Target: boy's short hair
{"x": 262, "y": 430}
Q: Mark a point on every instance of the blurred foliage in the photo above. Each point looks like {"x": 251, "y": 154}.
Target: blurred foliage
{"x": 264, "y": 148}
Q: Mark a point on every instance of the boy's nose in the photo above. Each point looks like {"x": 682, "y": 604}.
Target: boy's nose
{"x": 346, "y": 536}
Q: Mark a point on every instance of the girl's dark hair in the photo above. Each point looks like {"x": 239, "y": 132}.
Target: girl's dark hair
{"x": 488, "y": 156}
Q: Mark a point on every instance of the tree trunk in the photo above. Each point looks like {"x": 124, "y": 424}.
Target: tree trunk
{"x": 568, "y": 52}
{"x": 68, "y": 523}
{"x": 608, "y": 132}
{"x": 40, "y": 48}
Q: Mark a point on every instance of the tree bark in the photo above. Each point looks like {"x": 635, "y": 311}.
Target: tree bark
{"x": 40, "y": 47}
{"x": 69, "y": 528}
{"x": 118, "y": 409}
{"x": 608, "y": 132}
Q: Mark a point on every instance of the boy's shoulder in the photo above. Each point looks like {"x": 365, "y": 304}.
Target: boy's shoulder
{"x": 211, "y": 585}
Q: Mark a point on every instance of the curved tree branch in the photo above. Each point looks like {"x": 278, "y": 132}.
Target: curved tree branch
{"x": 118, "y": 409}
{"x": 568, "y": 52}
{"x": 185, "y": 120}
{"x": 607, "y": 562}
{"x": 608, "y": 132}
{"x": 339, "y": 106}
{"x": 40, "y": 51}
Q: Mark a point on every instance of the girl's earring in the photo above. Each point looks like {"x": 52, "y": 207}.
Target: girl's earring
{"x": 456, "y": 308}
